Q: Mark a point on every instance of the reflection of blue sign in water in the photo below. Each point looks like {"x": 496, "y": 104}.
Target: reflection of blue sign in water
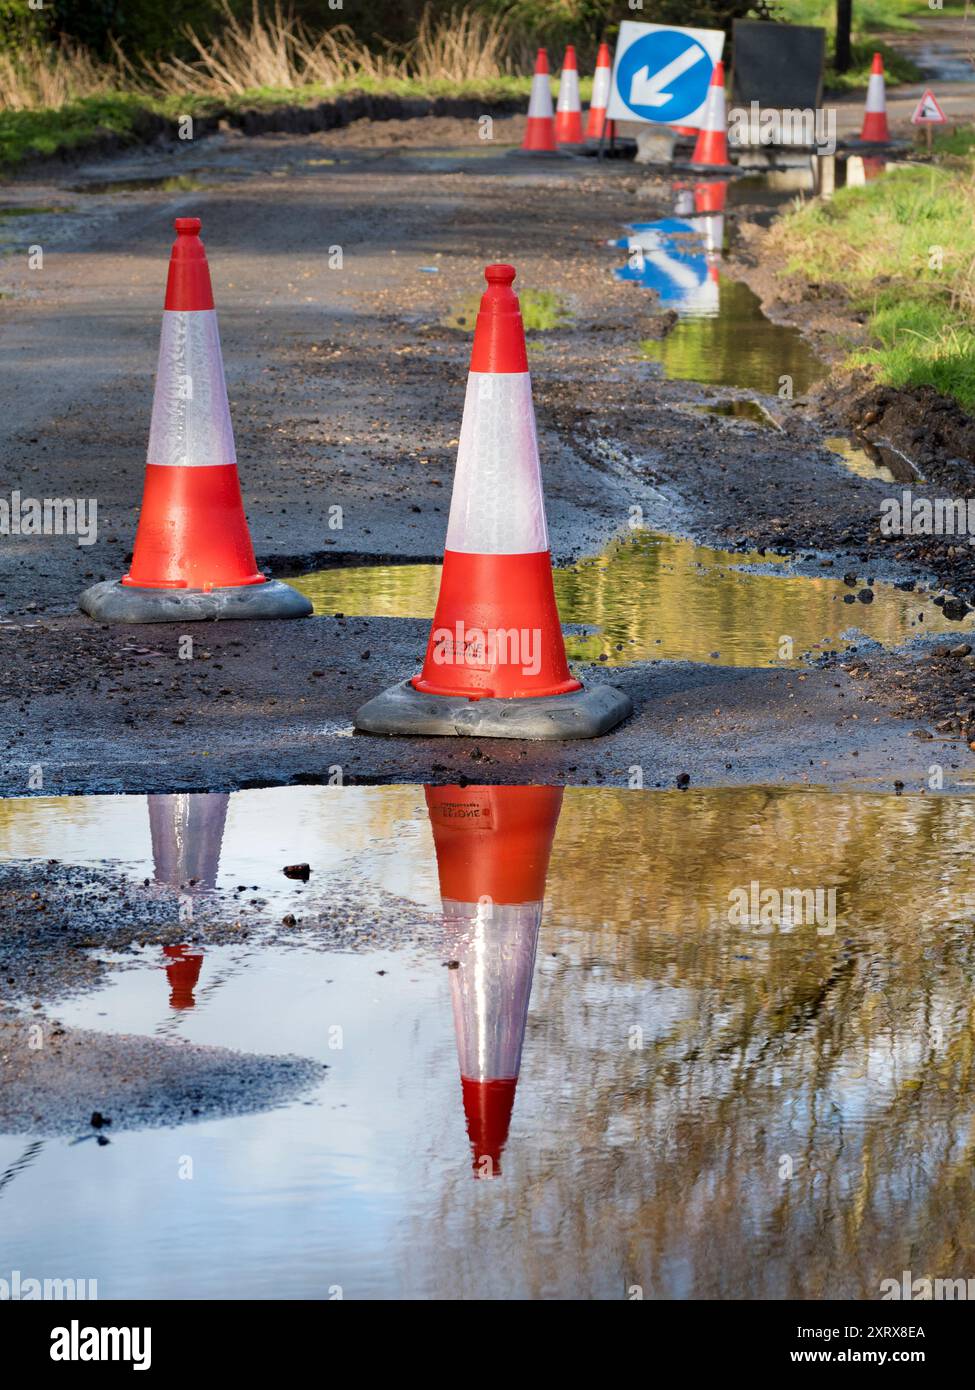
{"x": 664, "y": 76}
{"x": 669, "y": 257}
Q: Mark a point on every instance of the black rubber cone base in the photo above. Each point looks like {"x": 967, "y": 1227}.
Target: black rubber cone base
{"x": 115, "y": 602}
{"x": 580, "y": 714}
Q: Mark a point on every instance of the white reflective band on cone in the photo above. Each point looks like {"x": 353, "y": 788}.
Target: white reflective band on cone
{"x": 876, "y": 93}
{"x": 715, "y": 114}
{"x": 600, "y": 89}
{"x": 494, "y": 946}
{"x": 187, "y": 834}
{"x": 190, "y": 418}
{"x": 497, "y": 506}
{"x": 569, "y": 91}
{"x": 540, "y": 101}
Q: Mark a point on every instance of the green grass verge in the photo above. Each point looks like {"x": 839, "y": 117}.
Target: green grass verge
{"x": 28, "y": 134}
{"x": 903, "y": 247}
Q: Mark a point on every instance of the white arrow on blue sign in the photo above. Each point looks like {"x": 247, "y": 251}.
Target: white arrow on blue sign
{"x": 662, "y": 74}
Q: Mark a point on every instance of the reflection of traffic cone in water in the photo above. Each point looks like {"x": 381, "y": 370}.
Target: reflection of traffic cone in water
{"x": 596, "y": 123}
{"x": 568, "y": 110}
{"x": 193, "y": 556}
{"x": 709, "y": 202}
{"x": 183, "y": 973}
{"x": 540, "y": 127}
{"x": 495, "y": 662}
{"x": 712, "y": 140}
{"x": 683, "y": 200}
{"x": 493, "y": 846}
{"x": 187, "y": 834}
{"x": 875, "y": 128}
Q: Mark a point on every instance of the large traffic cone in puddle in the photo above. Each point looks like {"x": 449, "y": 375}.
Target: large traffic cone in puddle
{"x": 596, "y": 123}
{"x": 568, "y": 109}
{"x": 711, "y": 150}
{"x": 493, "y": 846}
{"x": 193, "y": 557}
{"x": 187, "y": 836}
{"x": 495, "y": 663}
{"x": 875, "y": 130}
{"x": 540, "y": 126}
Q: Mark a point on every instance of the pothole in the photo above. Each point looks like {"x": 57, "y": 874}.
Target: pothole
{"x": 658, "y": 597}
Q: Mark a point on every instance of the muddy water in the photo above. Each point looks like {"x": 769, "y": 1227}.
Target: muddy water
{"x": 660, "y": 597}
{"x": 726, "y": 340}
{"x": 657, "y": 1093}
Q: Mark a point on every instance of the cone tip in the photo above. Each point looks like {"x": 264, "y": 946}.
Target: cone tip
{"x": 187, "y": 226}
{"x": 717, "y": 77}
{"x": 541, "y": 61}
{"x": 878, "y": 63}
{"x": 570, "y": 57}
{"x": 499, "y": 274}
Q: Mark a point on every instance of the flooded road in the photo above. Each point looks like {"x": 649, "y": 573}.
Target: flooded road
{"x": 660, "y": 597}
{"x": 561, "y": 1061}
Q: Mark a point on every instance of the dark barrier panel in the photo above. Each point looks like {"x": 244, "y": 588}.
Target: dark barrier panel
{"x": 777, "y": 65}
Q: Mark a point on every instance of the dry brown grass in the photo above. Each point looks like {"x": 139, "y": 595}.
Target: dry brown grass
{"x": 269, "y": 50}
{"x": 50, "y": 76}
{"x": 272, "y": 49}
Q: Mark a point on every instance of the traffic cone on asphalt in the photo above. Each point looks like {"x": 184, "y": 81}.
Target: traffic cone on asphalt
{"x": 712, "y": 140}
{"x": 193, "y": 556}
{"x": 875, "y": 129}
{"x": 495, "y": 663}
{"x": 596, "y": 122}
{"x": 568, "y": 111}
{"x": 493, "y": 846}
{"x": 540, "y": 126}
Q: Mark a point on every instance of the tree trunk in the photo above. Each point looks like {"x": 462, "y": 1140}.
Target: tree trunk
{"x": 844, "y": 23}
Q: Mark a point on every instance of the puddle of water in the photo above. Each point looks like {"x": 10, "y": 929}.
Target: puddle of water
{"x": 614, "y": 1035}
{"x": 176, "y": 183}
{"x": 740, "y": 410}
{"x": 541, "y": 311}
{"x": 870, "y": 460}
{"x": 724, "y": 339}
{"x": 658, "y": 597}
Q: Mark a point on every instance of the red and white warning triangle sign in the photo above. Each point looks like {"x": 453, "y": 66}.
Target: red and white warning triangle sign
{"x": 927, "y": 111}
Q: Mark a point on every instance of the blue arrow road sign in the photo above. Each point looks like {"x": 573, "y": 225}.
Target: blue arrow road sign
{"x": 664, "y": 76}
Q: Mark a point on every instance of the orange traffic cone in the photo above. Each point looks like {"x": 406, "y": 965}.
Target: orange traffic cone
{"x": 193, "y": 556}
{"x": 712, "y": 140}
{"x": 596, "y": 123}
{"x": 568, "y": 111}
{"x": 875, "y": 129}
{"x": 493, "y": 846}
{"x": 540, "y": 126}
{"x": 495, "y": 663}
